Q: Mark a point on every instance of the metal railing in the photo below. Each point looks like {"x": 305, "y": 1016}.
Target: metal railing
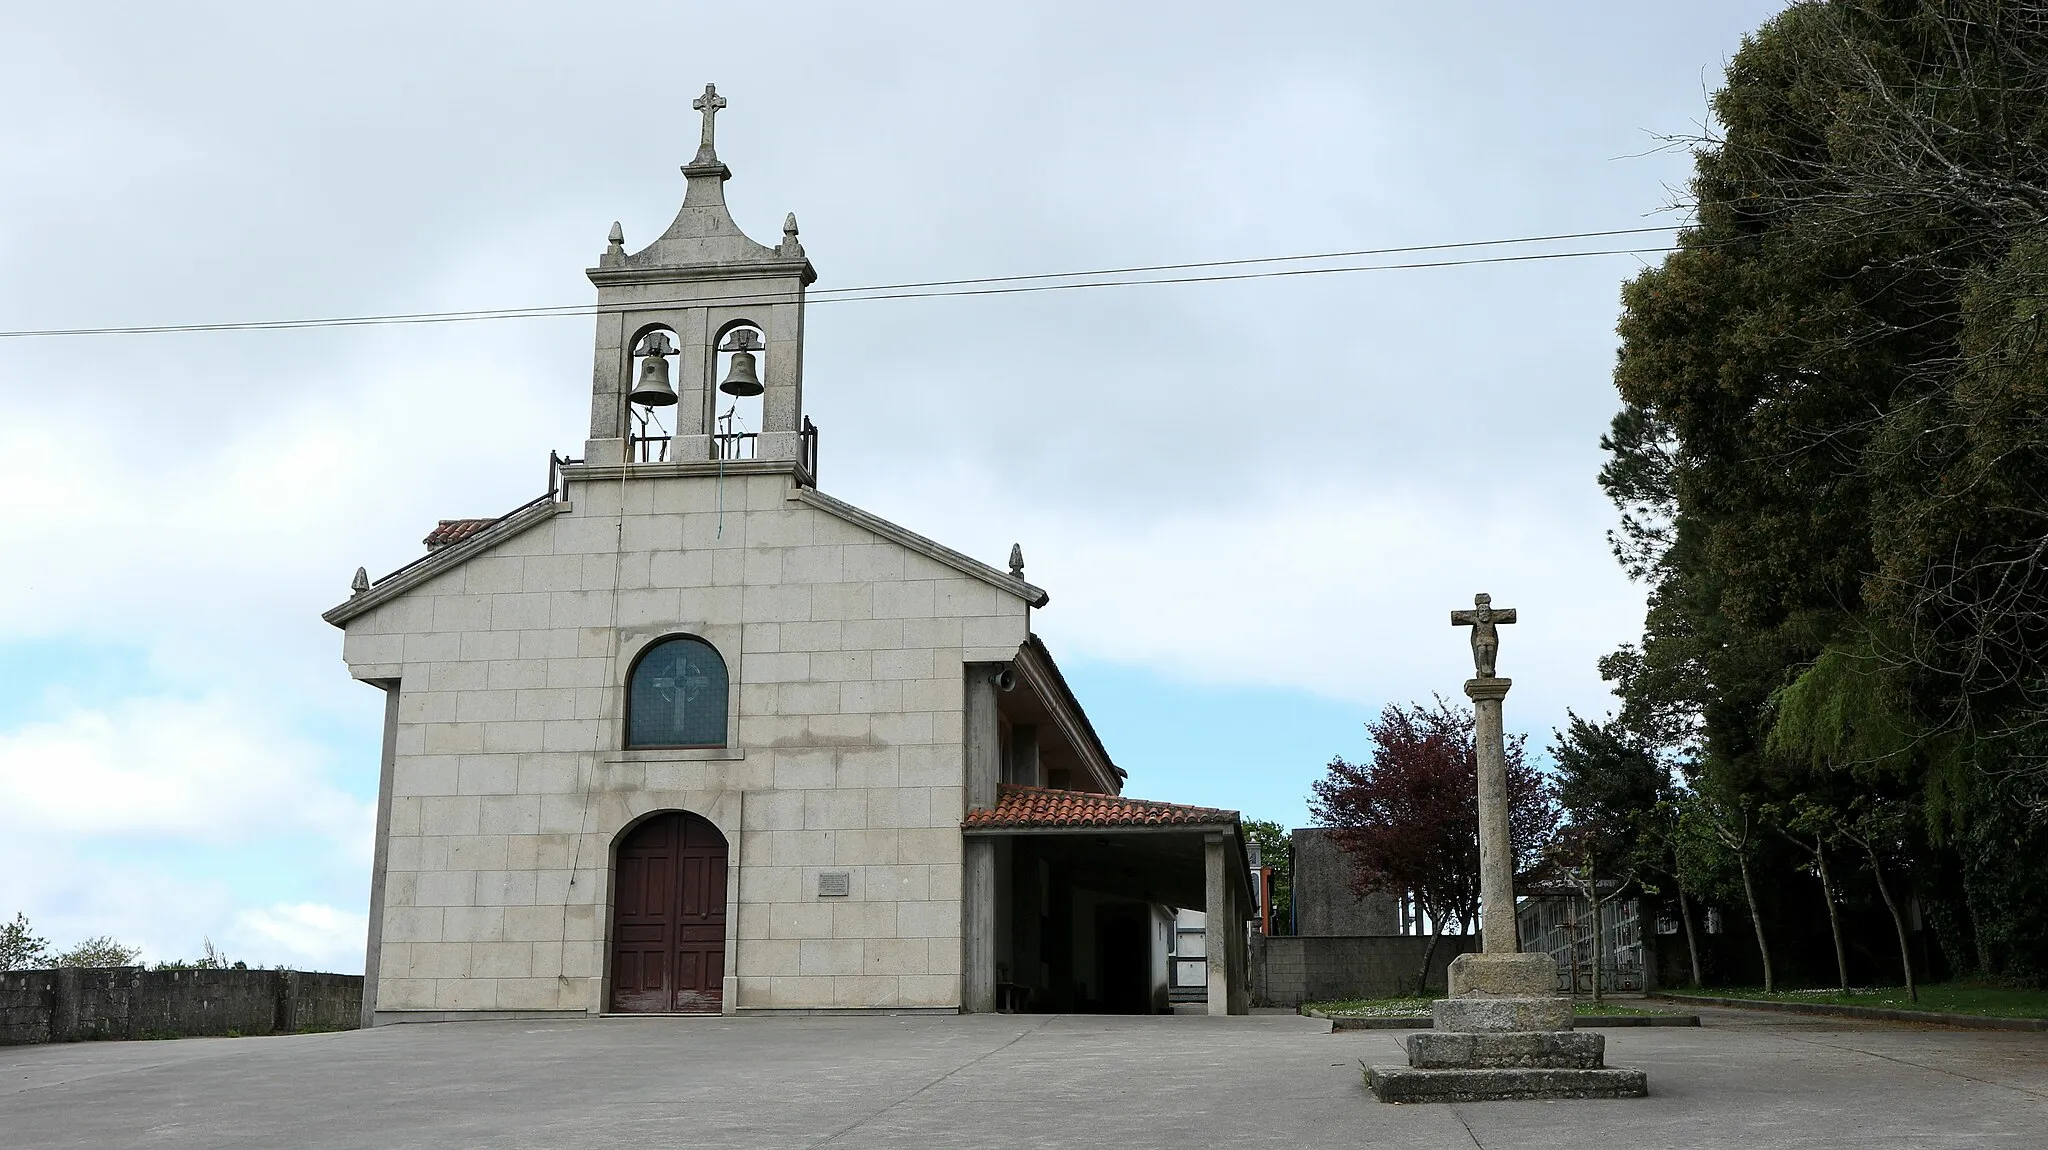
{"x": 557, "y": 489}
{"x": 728, "y": 445}
{"x": 735, "y": 445}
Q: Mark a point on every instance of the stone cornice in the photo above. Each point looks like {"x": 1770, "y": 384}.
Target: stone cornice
{"x": 435, "y": 562}
{"x": 930, "y": 549}
{"x": 684, "y": 468}
{"x": 1491, "y": 690}
{"x": 799, "y": 266}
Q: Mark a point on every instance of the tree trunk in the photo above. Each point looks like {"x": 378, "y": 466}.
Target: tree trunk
{"x": 1756, "y": 919}
{"x": 1436, "y": 933}
{"x": 1827, "y": 891}
{"x": 1692, "y": 945}
{"x": 1589, "y": 889}
{"x": 1898, "y": 924}
{"x": 1599, "y": 944}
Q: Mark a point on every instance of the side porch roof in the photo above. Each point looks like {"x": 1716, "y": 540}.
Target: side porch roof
{"x": 1154, "y": 846}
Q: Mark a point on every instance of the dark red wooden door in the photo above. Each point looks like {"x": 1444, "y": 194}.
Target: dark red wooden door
{"x": 668, "y": 916}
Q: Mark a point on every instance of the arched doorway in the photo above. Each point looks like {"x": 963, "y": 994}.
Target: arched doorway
{"x": 668, "y": 916}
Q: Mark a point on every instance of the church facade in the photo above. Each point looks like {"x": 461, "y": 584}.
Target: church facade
{"x": 686, "y": 734}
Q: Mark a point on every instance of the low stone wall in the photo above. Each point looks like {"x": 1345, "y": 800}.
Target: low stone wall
{"x": 74, "y": 1005}
{"x": 1291, "y": 970}
{"x": 26, "y": 1000}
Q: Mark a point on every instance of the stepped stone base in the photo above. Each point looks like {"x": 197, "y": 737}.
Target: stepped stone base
{"x": 1411, "y": 1084}
{"x": 1524, "y": 975}
{"x": 1505, "y": 1033}
{"x": 1499, "y": 1015}
{"x": 1548, "y": 1050}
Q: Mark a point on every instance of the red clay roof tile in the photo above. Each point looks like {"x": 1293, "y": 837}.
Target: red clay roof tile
{"x": 1024, "y": 807}
{"x": 455, "y": 531}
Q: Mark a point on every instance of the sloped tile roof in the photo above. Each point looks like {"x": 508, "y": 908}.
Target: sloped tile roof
{"x": 455, "y": 531}
{"x": 1025, "y": 807}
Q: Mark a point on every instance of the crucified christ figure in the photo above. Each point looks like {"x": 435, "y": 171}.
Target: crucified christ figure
{"x": 1483, "y": 618}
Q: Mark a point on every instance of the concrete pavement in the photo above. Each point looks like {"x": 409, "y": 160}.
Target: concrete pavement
{"x": 1742, "y": 1080}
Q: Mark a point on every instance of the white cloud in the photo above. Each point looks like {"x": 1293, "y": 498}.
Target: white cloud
{"x": 164, "y": 821}
{"x": 71, "y": 891}
{"x": 305, "y": 935}
{"x": 1340, "y": 593}
{"x": 213, "y": 770}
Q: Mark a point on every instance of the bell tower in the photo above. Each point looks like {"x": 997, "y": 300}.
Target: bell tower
{"x": 692, "y": 329}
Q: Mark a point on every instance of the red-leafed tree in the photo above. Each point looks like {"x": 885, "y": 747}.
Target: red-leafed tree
{"x": 1408, "y": 816}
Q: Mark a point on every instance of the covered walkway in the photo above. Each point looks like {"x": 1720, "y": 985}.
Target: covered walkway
{"x": 1071, "y": 900}
{"x": 1069, "y": 889}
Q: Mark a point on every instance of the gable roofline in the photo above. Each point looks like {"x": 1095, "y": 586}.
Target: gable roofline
{"x": 546, "y": 507}
{"x": 1035, "y": 665}
{"x": 929, "y": 548}
{"x": 514, "y": 522}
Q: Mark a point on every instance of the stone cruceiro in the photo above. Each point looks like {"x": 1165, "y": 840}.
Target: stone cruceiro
{"x": 1504, "y": 1032}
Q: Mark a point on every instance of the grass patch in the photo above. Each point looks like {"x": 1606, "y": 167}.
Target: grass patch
{"x": 1587, "y": 1008}
{"x": 1419, "y": 1008}
{"x": 1373, "y": 1007}
{"x": 1941, "y": 997}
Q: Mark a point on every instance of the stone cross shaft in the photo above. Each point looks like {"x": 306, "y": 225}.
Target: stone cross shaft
{"x": 1496, "y": 853}
{"x": 709, "y": 103}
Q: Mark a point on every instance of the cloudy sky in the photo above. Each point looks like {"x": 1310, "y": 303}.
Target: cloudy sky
{"x": 1253, "y": 502}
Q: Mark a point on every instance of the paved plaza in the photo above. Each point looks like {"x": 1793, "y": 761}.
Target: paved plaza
{"x": 1743, "y": 1080}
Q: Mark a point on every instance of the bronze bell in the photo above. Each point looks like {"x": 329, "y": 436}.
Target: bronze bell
{"x": 741, "y": 378}
{"x": 653, "y": 389}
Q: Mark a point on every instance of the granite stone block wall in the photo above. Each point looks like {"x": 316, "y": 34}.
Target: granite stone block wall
{"x": 1324, "y": 903}
{"x": 28, "y": 999}
{"x": 73, "y": 1005}
{"x": 511, "y": 784}
{"x": 1291, "y": 970}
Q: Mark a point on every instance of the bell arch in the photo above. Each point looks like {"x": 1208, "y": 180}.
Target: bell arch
{"x": 653, "y": 366}
{"x": 738, "y": 403}
{"x": 667, "y": 935}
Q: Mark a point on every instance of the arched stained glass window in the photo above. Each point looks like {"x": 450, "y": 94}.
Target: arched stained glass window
{"x": 677, "y": 696}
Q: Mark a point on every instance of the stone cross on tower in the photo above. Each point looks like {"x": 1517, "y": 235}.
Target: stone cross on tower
{"x": 709, "y": 103}
{"x": 1496, "y": 853}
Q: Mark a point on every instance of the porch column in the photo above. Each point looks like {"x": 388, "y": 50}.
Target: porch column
{"x": 1024, "y": 767}
{"x": 1239, "y": 971}
{"x": 984, "y": 769}
{"x": 373, "y": 950}
{"x": 1219, "y": 917}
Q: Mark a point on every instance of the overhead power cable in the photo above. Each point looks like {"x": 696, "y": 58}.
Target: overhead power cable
{"x": 935, "y": 289}
{"x": 1262, "y": 260}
